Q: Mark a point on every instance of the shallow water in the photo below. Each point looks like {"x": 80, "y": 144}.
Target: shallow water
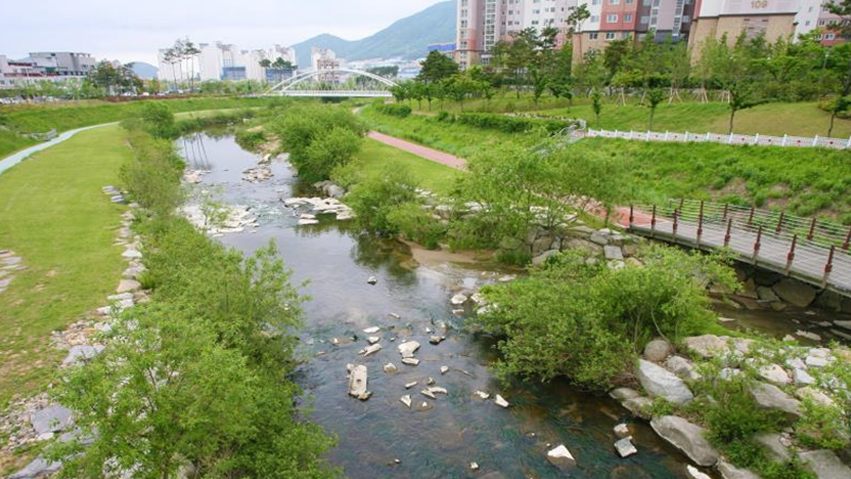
{"x": 458, "y": 428}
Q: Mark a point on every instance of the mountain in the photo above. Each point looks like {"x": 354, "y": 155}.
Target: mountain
{"x": 145, "y": 71}
{"x": 407, "y": 38}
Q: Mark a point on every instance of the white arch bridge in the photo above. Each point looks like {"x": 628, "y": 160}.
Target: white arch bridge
{"x": 337, "y": 82}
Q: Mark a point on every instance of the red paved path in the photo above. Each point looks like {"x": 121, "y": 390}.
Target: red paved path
{"x": 421, "y": 151}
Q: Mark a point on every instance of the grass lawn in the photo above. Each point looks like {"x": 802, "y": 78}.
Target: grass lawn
{"x": 460, "y": 140}
{"x": 54, "y": 215}
{"x": 43, "y": 118}
{"x": 375, "y": 156}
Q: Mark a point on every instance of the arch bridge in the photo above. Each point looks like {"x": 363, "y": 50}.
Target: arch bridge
{"x": 337, "y": 82}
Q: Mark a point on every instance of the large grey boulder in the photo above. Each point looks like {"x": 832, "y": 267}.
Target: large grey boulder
{"x": 622, "y": 394}
{"x": 706, "y": 346}
{"x": 660, "y": 382}
{"x": 613, "y": 253}
{"x": 657, "y": 350}
{"x": 795, "y": 292}
{"x": 38, "y": 468}
{"x": 826, "y": 465}
{"x": 53, "y": 418}
{"x": 686, "y": 437}
{"x": 770, "y": 396}
{"x": 639, "y": 407}
{"x": 729, "y": 471}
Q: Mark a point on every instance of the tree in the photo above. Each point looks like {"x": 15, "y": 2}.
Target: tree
{"x": 540, "y": 81}
{"x": 574, "y": 20}
{"x": 190, "y": 52}
{"x": 654, "y": 97}
{"x": 115, "y": 79}
{"x": 437, "y": 67}
{"x": 597, "y": 105}
{"x": 158, "y": 120}
{"x": 459, "y": 87}
{"x": 400, "y": 92}
{"x": 737, "y": 72}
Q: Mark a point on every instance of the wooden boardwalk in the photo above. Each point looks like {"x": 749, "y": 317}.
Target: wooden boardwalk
{"x": 809, "y": 263}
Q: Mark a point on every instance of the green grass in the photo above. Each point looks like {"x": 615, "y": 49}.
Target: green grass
{"x": 797, "y": 119}
{"x": 375, "y": 156}
{"x": 460, "y": 140}
{"x": 39, "y": 119}
{"x": 802, "y": 181}
{"x": 778, "y": 119}
{"x": 54, "y": 215}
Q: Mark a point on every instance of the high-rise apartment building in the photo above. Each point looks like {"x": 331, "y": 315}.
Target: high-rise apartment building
{"x": 482, "y": 23}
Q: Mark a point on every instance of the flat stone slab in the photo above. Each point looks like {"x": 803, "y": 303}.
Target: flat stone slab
{"x": 128, "y": 286}
{"x": 770, "y": 396}
{"x": 53, "y": 418}
{"x": 729, "y": 471}
{"x": 686, "y": 437}
{"x": 660, "y": 382}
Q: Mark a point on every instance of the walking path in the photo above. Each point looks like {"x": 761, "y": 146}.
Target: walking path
{"x": 422, "y": 151}
{"x": 22, "y": 155}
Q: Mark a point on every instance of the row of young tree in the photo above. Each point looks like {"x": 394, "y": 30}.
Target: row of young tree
{"x": 742, "y": 72}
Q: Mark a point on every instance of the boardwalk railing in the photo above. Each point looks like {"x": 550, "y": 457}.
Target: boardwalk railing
{"x": 818, "y": 252}
{"x": 729, "y": 139}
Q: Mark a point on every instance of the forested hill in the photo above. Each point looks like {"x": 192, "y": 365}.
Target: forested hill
{"x": 406, "y": 38}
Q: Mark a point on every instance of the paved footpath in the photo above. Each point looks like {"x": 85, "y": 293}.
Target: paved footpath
{"x": 421, "y": 151}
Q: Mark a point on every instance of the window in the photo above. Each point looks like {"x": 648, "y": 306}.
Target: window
{"x": 610, "y": 35}
{"x": 629, "y": 2}
{"x": 612, "y": 18}
{"x": 593, "y": 36}
{"x": 830, "y": 36}
{"x": 627, "y": 17}
{"x": 594, "y": 18}
{"x": 645, "y": 19}
{"x": 614, "y": 2}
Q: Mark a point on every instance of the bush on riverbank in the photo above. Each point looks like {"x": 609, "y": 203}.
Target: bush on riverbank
{"x": 319, "y": 139}
{"x": 199, "y": 377}
{"x": 377, "y": 196}
{"x": 589, "y": 322}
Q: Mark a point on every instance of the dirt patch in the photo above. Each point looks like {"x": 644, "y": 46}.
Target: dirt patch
{"x": 429, "y": 257}
{"x": 734, "y": 187}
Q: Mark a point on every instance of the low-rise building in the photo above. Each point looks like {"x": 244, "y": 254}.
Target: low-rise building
{"x": 45, "y": 66}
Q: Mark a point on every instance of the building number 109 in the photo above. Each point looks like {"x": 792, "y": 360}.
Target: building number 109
{"x": 759, "y": 4}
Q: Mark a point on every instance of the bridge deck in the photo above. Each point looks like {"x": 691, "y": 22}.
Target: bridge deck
{"x": 808, "y": 264}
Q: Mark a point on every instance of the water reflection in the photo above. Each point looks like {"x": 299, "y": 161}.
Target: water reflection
{"x": 407, "y": 301}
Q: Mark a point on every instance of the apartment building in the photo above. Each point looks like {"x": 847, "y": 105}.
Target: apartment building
{"x": 482, "y": 23}
{"x": 225, "y": 61}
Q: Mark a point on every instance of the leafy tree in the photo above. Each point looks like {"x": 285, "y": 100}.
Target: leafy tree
{"x": 575, "y": 19}
{"x": 654, "y": 97}
{"x": 597, "y": 105}
{"x": 437, "y": 67}
{"x": 400, "y": 92}
{"x": 540, "y": 81}
{"x": 736, "y": 72}
{"x": 115, "y": 79}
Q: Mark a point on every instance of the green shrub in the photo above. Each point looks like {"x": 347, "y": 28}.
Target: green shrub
{"x": 377, "y": 196}
{"x": 588, "y": 323}
{"x": 821, "y": 427}
{"x": 153, "y": 175}
{"x": 418, "y": 225}
{"x": 336, "y": 132}
{"x": 392, "y": 109}
{"x": 510, "y": 124}
{"x": 158, "y": 120}
{"x": 443, "y": 116}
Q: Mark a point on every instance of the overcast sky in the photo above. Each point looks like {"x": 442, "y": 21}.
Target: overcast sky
{"x": 134, "y": 31}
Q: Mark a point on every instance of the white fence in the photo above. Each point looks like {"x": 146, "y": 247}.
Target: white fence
{"x": 731, "y": 139}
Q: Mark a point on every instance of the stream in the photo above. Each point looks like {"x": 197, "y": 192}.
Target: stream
{"x": 458, "y": 428}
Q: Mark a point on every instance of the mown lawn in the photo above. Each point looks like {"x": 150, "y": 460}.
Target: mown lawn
{"x": 801, "y": 181}
{"x": 375, "y": 156}
{"x": 54, "y": 215}
{"x": 798, "y": 119}
{"x": 43, "y": 118}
